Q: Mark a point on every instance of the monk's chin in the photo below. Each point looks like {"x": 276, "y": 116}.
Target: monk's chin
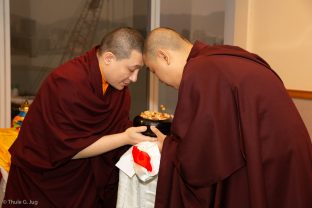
{"x": 118, "y": 87}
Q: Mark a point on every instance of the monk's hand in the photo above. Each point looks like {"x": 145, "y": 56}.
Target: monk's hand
{"x": 134, "y": 135}
{"x": 160, "y": 137}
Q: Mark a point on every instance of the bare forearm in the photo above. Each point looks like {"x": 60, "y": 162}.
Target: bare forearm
{"x": 107, "y": 143}
{"x": 102, "y": 145}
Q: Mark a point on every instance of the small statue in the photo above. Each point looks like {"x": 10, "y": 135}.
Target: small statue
{"x": 18, "y": 119}
{"x": 162, "y": 108}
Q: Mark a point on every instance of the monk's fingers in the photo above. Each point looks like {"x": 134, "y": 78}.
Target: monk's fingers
{"x": 140, "y": 129}
{"x": 157, "y": 132}
{"x": 147, "y": 138}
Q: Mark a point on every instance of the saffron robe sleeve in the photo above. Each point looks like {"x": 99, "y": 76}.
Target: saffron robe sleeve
{"x": 68, "y": 114}
{"x": 237, "y": 139}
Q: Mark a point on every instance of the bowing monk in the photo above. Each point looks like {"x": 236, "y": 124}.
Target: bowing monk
{"x": 237, "y": 140}
{"x": 77, "y": 128}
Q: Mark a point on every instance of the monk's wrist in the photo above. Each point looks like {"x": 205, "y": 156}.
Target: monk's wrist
{"x": 124, "y": 138}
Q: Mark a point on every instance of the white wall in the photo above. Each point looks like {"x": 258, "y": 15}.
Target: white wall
{"x": 280, "y": 31}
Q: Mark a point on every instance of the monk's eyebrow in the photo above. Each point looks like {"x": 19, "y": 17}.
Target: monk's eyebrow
{"x": 137, "y": 66}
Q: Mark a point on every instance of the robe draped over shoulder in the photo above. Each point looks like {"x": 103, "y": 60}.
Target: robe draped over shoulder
{"x": 69, "y": 113}
{"x": 237, "y": 140}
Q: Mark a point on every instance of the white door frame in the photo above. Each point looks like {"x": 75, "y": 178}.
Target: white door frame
{"x": 5, "y": 65}
{"x": 153, "y": 80}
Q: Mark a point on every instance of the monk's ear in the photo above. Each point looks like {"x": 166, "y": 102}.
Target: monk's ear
{"x": 164, "y": 55}
{"x": 108, "y": 57}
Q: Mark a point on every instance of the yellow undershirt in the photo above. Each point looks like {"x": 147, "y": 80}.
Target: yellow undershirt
{"x": 104, "y": 83}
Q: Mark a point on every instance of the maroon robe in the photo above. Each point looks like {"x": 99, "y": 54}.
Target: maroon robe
{"x": 237, "y": 139}
{"x": 68, "y": 114}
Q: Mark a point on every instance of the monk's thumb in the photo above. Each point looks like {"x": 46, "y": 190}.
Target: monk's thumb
{"x": 156, "y": 131}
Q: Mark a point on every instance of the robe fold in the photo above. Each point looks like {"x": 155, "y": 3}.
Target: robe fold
{"x": 237, "y": 140}
{"x": 69, "y": 113}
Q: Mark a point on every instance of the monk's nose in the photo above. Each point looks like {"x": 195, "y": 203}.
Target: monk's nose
{"x": 134, "y": 76}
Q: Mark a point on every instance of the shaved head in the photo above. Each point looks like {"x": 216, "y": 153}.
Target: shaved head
{"x": 121, "y": 42}
{"x": 163, "y": 38}
{"x": 165, "y": 54}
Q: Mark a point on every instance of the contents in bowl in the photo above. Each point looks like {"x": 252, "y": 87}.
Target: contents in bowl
{"x": 153, "y": 115}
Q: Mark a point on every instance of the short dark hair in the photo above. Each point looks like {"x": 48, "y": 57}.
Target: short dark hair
{"x": 121, "y": 42}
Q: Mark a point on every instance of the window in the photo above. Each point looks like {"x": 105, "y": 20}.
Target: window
{"x": 45, "y": 34}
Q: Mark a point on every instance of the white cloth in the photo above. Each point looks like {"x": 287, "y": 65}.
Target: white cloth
{"x": 3, "y": 182}
{"x": 137, "y": 185}
{"x": 133, "y": 193}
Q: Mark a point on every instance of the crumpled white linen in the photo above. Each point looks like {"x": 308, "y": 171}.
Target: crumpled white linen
{"x": 137, "y": 185}
{"x": 3, "y": 182}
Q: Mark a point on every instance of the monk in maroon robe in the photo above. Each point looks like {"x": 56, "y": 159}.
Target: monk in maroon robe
{"x": 77, "y": 128}
{"x": 237, "y": 140}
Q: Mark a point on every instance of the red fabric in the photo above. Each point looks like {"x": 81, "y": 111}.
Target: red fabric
{"x": 68, "y": 114}
{"x": 142, "y": 158}
{"x": 237, "y": 140}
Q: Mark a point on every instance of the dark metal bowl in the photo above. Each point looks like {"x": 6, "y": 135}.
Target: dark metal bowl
{"x": 163, "y": 125}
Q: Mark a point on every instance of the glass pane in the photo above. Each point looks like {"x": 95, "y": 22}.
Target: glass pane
{"x": 197, "y": 20}
{"x": 45, "y": 34}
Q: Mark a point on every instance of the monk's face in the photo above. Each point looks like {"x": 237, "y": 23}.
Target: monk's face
{"x": 121, "y": 72}
{"x": 165, "y": 69}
